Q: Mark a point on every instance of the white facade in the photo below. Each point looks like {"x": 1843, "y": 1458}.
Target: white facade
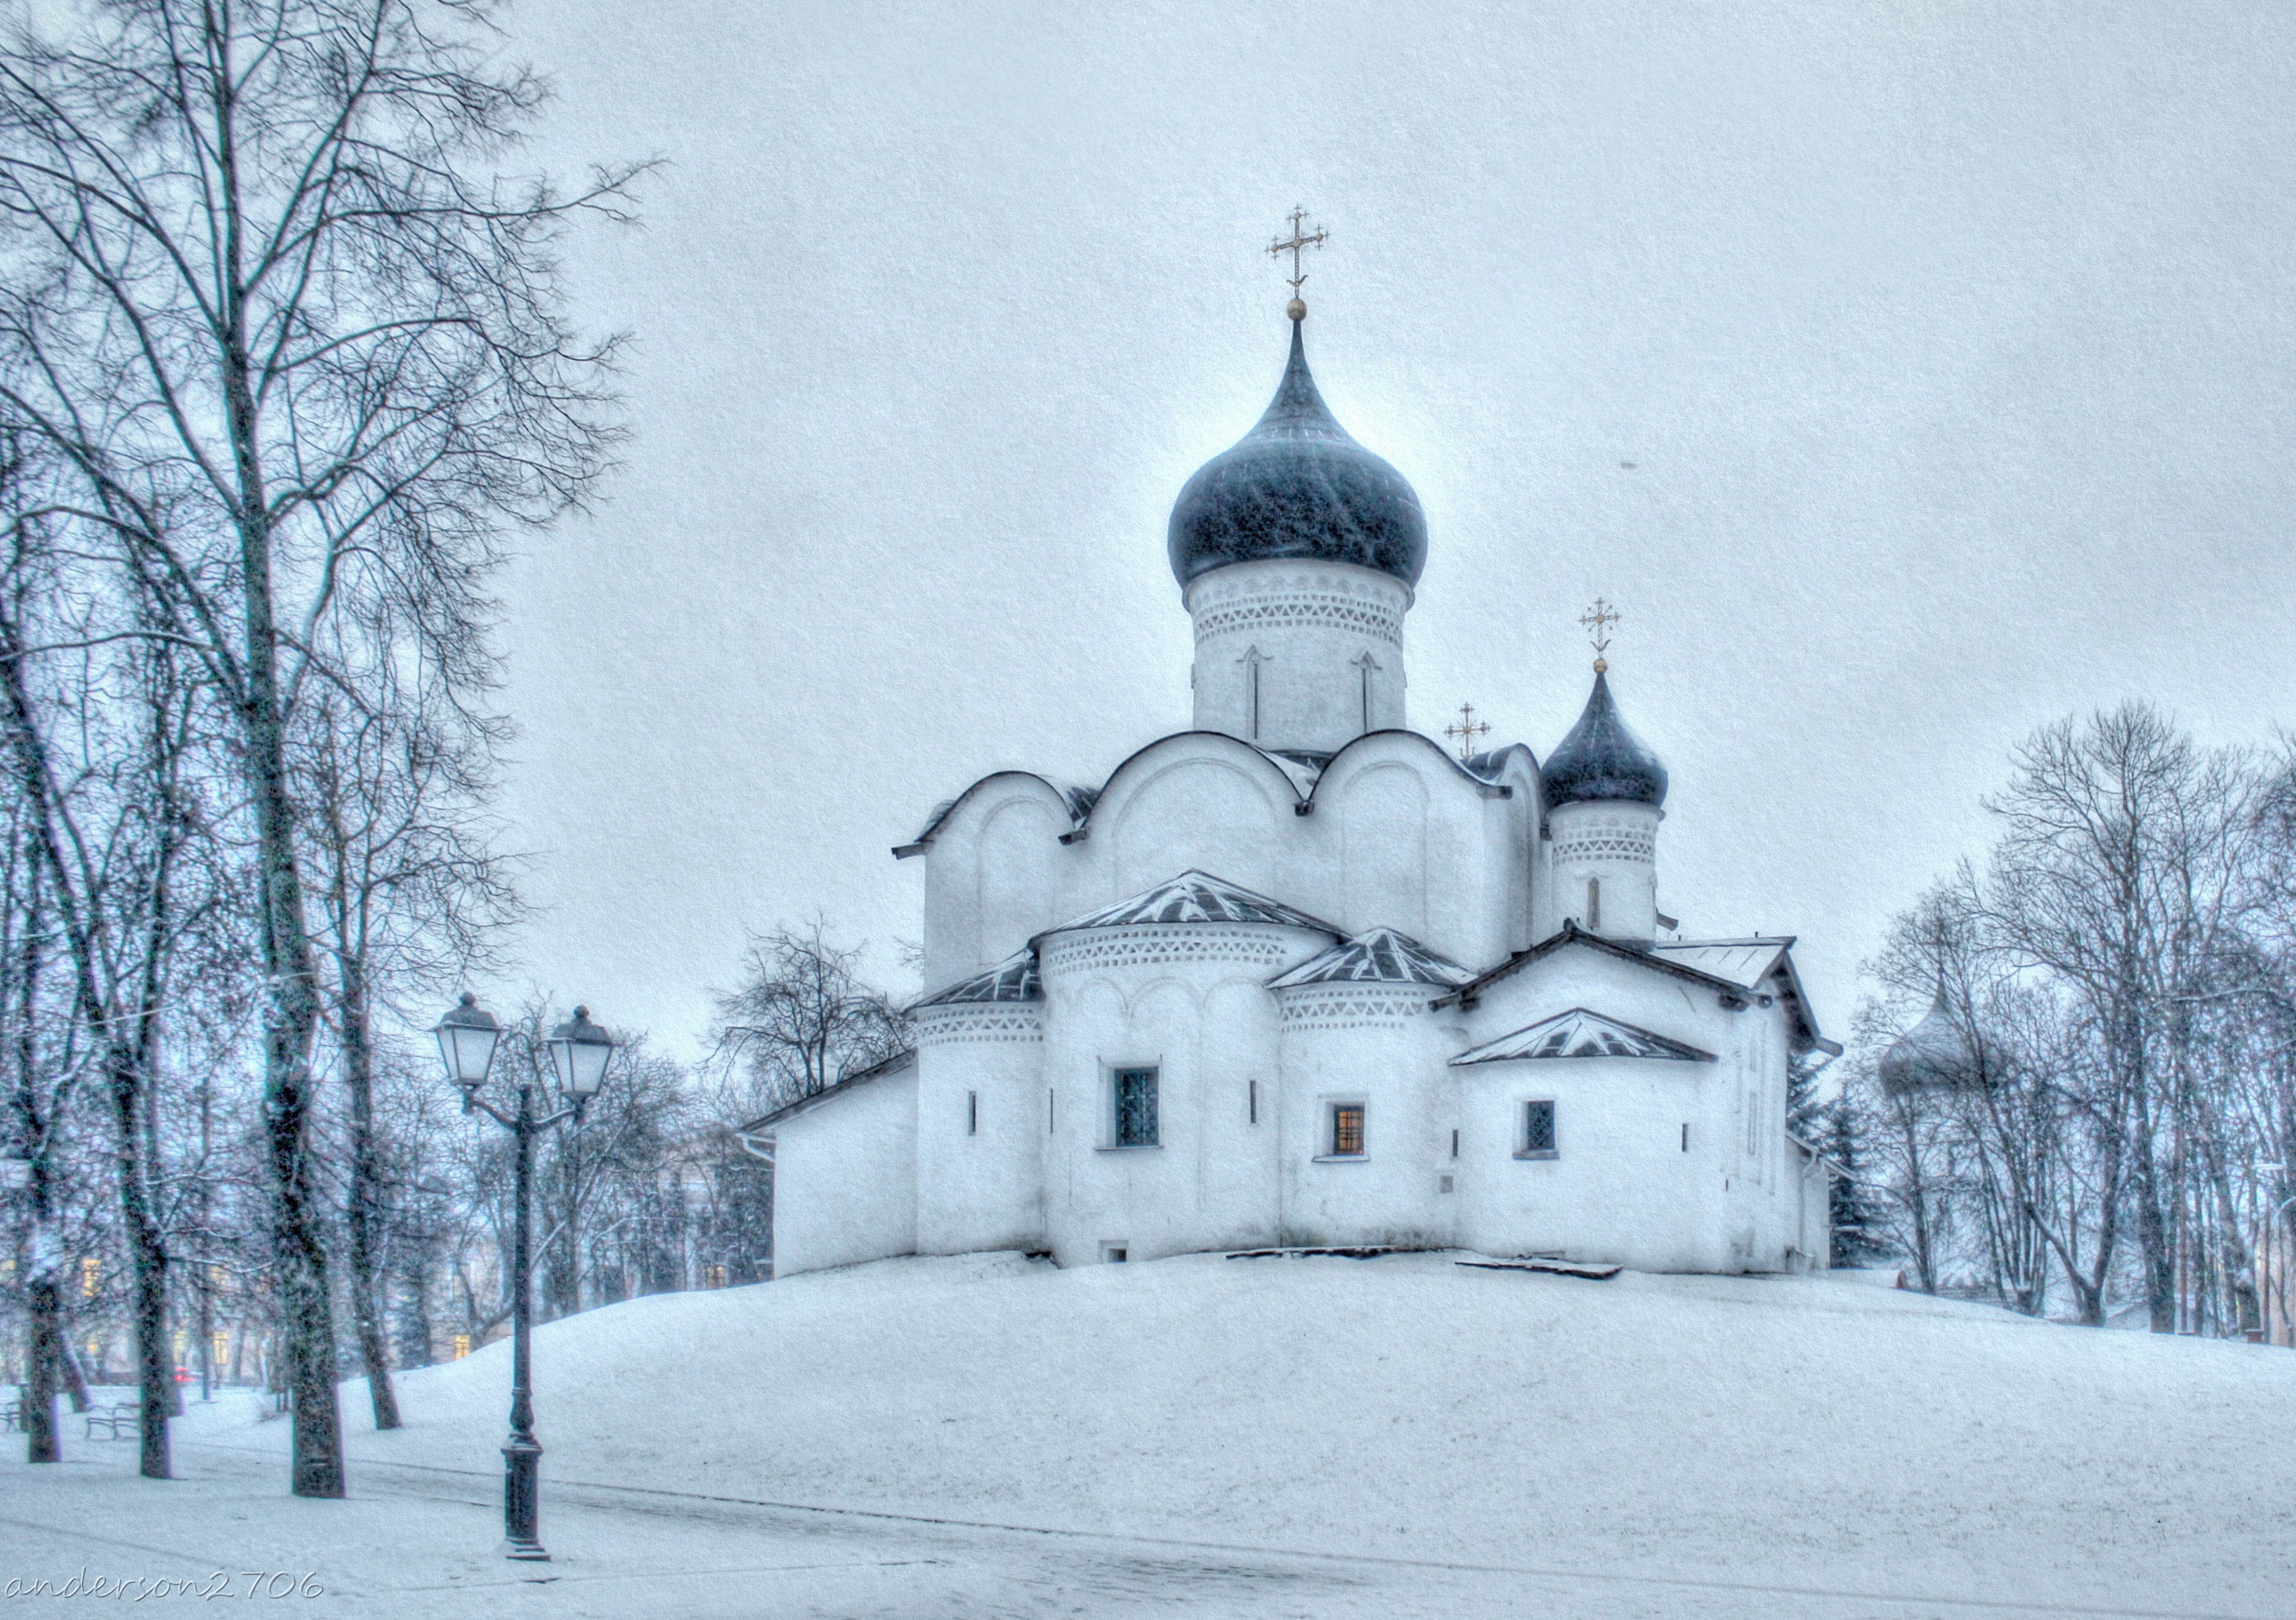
{"x": 1299, "y": 976}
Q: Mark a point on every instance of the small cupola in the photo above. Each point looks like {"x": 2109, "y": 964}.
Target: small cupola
{"x": 1601, "y": 760}
{"x": 1605, "y": 793}
{"x": 1934, "y": 1052}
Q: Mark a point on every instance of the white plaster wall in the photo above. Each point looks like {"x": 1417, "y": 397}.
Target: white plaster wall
{"x": 1364, "y": 1045}
{"x": 1204, "y": 808}
{"x": 1616, "y": 845}
{"x": 1312, "y": 625}
{"x": 980, "y": 1188}
{"x": 845, "y": 1179}
{"x": 995, "y": 873}
{"x": 1191, "y": 1000}
{"x": 1724, "y": 1204}
{"x": 1621, "y": 1188}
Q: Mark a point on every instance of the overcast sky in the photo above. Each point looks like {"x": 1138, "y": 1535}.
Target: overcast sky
{"x": 1910, "y": 375}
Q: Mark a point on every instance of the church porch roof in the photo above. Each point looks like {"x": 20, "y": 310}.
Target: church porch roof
{"x": 1683, "y": 959}
{"x": 897, "y": 1063}
{"x": 1581, "y": 1032}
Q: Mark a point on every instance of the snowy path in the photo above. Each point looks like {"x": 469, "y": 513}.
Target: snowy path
{"x": 419, "y": 1541}
{"x": 1399, "y": 1437}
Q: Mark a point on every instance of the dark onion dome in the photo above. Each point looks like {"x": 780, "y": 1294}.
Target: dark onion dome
{"x": 1298, "y": 486}
{"x": 1933, "y": 1053}
{"x": 1601, "y": 760}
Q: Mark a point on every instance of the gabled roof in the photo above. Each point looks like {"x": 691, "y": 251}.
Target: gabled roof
{"x": 894, "y": 1064}
{"x": 1581, "y": 1033}
{"x": 1013, "y": 979}
{"x": 1196, "y": 897}
{"x": 1381, "y": 956}
{"x": 1684, "y": 959}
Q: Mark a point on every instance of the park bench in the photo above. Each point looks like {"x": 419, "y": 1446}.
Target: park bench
{"x": 111, "y": 1419}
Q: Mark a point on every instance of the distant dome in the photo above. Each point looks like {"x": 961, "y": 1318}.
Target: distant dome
{"x": 1933, "y": 1053}
{"x": 1298, "y": 486}
{"x": 1601, "y": 760}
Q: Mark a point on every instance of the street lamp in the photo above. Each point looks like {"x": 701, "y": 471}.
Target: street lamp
{"x": 579, "y": 1051}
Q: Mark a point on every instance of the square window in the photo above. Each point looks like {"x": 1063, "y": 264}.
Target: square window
{"x": 1136, "y": 1107}
{"x": 1538, "y": 1127}
{"x": 1347, "y": 1130}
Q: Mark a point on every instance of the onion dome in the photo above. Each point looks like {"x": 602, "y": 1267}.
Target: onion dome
{"x": 1298, "y": 486}
{"x": 1601, "y": 760}
{"x": 1933, "y": 1053}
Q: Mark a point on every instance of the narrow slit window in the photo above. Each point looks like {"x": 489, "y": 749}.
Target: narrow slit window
{"x": 1346, "y": 1132}
{"x": 1136, "y": 1107}
{"x": 1538, "y": 1127}
{"x": 1595, "y": 903}
{"x": 973, "y": 1114}
{"x": 1686, "y": 1136}
{"x": 1253, "y": 1104}
{"x": 1454, "y": 1143}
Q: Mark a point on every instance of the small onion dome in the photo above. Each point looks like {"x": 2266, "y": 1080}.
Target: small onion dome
{"x": 1298, "y": 486}
{"x": 1933, "y": 1053}
{"x": 1601, "y": 760}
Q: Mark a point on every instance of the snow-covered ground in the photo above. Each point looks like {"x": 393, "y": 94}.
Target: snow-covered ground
{"x": 1279, "y": 1437}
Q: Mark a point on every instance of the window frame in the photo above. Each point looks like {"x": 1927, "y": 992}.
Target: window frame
{"x": 1524, "y": 1134}
{"x": 1328, "y": 1143}
{"x": 1114, "y": 1087}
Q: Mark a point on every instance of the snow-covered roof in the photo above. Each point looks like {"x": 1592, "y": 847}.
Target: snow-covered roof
{"x": 1196, "y": 897}
{"x": 1303, "y": 772}
{"x": 1581, "y": 1032}
{"x": 1745, "y": 963}
{"x": 1729, "y": 960}
{"x": 894, "y": 1064}
{"x": 1381, "y": 956}
{"x": 1013, "y": 979}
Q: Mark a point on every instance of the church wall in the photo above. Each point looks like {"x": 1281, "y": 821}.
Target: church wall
{"x": 1297, "y": 654}
{"x": 1383, "y": 826}
{"x": 995, "y": 874}
{"x": 845, "y": 1179}
{"x": 1224, "y": 816}
{"x": 981, "y": 1129}
{"x": 1364, "y": 1045}
{"x": 1620, "y": 1187}
{"x": 1191, "y": 1001}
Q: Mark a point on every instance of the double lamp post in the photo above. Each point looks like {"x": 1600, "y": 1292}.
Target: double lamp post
{"x": 579, "y": 1050}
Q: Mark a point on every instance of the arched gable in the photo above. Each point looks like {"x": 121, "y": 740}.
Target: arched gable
{"x": 1196, "y": 799}
{"x": 995, "y": 875}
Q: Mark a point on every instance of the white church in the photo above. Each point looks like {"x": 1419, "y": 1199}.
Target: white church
{"x": 1299, "y": 977}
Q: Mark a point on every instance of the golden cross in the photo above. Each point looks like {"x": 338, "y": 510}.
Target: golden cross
{"x": 1467, "y": 730}
{"x": 1297, "y": 245}
{"x": 1598, "y": 620}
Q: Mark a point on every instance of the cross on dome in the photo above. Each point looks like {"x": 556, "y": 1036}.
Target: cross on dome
{"x": 1300, "y": 244}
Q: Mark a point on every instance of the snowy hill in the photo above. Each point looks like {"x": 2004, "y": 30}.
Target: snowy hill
{"x": 1811, "y": 1433}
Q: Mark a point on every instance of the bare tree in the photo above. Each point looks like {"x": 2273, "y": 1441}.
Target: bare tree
{"x": 294, "y": 353}
{"x": 801, "y": 1020}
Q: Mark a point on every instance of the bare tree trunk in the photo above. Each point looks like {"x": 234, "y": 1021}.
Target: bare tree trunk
{"x": 366, "y": 1189}
{"x": 44, "y": 1350}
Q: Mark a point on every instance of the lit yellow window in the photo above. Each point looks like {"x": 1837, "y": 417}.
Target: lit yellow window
{"x": 462, "y": 1345}
{"x": 1347, "y": 1130}
{"x": 91, "y": 1276}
